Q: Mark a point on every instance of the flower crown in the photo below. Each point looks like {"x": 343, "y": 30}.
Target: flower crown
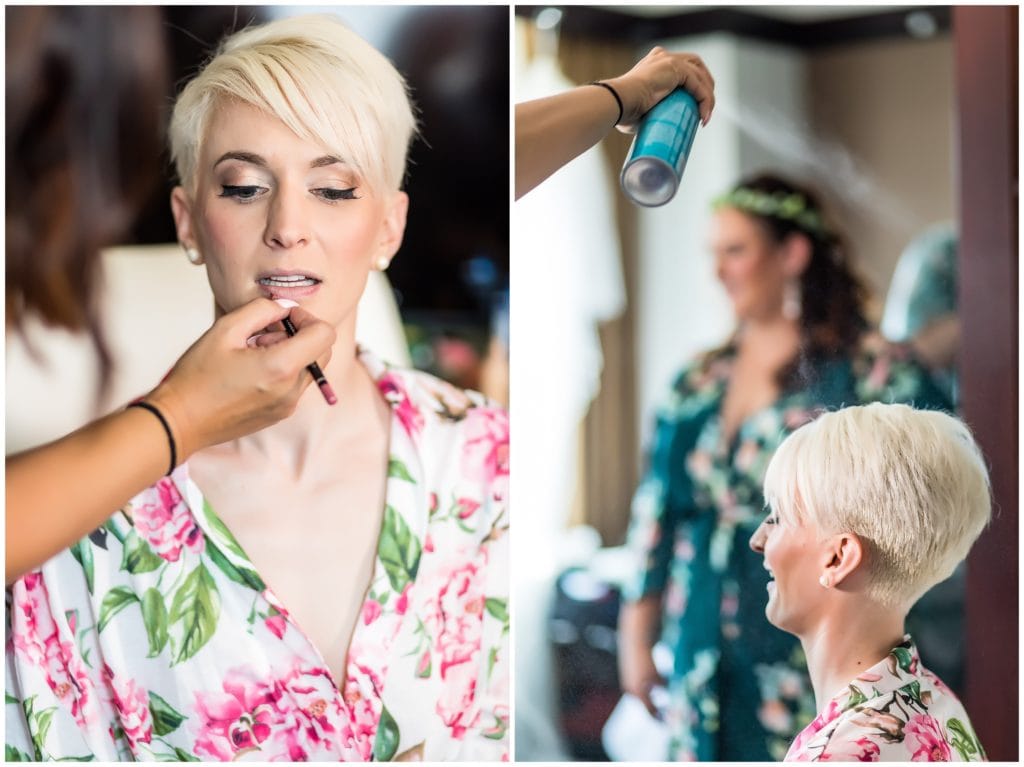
{"x": 790, "y": 206}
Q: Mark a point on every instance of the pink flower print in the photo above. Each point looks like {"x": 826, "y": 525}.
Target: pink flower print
{"x": 407, "y": 413}
{"x": 860, "y": 750}
{"x": 31, "y": 620}
{"x": 402, "y": 604}
{"x": 69, "y": 680}
{"x": 163, "y": 519}
{"x": 423, "y": 666}
{"x": 131, "y": 703}
{"x": 485, "y": 456}
{"x": 466, "y": 507}
{"x": 699, "y": 462}
{"x": 315, "y": 710}
{"x": 360, "y": 725}
{"x": 746, "y": 455}
{"x": 240, "y": 718}
{"x": 879, "y": 372}
{"x": 937, "y": 683}
{"x": 926, "y": 733}
{"x": 276, "y": 624}
{"x": 434, "y": 503}
{"x": 371, "y": 611}
{"x": 775, "y": 716}
{"x": 455, "y": 620}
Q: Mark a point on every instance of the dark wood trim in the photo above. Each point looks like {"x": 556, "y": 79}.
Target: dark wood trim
{"x": 986, "y": 47}
{"x": 602, "y": 23}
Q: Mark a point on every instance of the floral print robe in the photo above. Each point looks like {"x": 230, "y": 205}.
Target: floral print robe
{"x": 739, "y": 689}
{"x": 154, "y": 638}
{"x": 896, "y": 711}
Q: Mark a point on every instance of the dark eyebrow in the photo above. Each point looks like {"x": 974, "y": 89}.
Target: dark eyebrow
{"x": 255, "y": 159}
{"x": 323, "y": 162}
{"x": 249, "y": 157}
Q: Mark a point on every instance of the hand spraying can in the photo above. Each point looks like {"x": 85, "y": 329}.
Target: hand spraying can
{"x": 658, "y": 155}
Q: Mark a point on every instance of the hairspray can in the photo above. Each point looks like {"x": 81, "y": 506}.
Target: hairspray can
{"x": 658, "y": 155}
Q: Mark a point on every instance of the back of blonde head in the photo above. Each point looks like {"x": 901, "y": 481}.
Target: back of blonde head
{"x": 320, "y": 79}
{"x": 911, "y": 484}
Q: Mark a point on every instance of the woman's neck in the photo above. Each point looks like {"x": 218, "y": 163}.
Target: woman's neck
{"x": 315, "y": 424}
{"x": 853, "y": 637}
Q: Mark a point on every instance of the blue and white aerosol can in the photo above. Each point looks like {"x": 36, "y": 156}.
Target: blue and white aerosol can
{"x": 658, "y": 155}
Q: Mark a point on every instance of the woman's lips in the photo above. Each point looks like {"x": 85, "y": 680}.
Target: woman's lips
{"x": 288, "y": 286}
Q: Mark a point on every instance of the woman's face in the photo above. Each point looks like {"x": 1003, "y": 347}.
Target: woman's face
{"x": 748, "y": 263}
{"x": 793, "y": 557}
{"x": 277, "y": 215}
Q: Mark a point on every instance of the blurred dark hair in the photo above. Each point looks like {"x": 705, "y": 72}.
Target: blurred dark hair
{"x": 85, "y": 96}
{"x": 832, "y": 316}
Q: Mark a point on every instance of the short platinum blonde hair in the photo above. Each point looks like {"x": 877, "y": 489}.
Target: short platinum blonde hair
{"x": 911, "y": 484}
{"x": 320, "y": 79}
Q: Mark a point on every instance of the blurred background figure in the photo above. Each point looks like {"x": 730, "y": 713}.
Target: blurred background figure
{"x": 737, "y": 687}
{"x": 789, "y": 94}
{"x": 920, "y": 308}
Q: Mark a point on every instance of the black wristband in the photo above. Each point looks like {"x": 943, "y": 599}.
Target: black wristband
{"x": 614, "y": 93}
{"x": 167, "y": 428}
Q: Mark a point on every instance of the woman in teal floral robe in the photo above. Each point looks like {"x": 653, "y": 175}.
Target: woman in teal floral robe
{"x": 739, "y": 688}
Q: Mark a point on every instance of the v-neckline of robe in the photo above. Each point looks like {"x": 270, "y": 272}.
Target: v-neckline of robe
{"x": 406, "y": 479}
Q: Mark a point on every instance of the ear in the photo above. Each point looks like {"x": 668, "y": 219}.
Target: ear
{"x": 392, "y": 228}
{"x": 181, "y": 208}
{"x": 796, "y": 254}
{"x": 844, "y": 554}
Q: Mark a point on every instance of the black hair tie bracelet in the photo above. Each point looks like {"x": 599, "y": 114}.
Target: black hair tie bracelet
{"x": 614, "y": 93}
{"x": 167, "y": 428}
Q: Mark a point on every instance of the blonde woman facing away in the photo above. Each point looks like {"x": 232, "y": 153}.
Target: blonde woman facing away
{"x": 333, "y": 587}
{"x": 869, "y": 507}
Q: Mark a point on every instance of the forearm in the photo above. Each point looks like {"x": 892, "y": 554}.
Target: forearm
{"x": 61, "y": 491}
{"x": 640, "y": 621}
{"x": 554, "y": 130}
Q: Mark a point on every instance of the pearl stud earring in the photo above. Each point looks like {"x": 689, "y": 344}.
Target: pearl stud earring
{"x": 825, "y": 580}
{"x": 194, "y": 256}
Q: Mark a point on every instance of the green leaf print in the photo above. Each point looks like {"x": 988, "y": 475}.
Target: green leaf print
{"x": 82, "y": 551}
{"x": 498, "y": 608}
{"x": 8, "y": 698}
{"x": 115, "y": 600}
{"x": 963, "y": 740}
{"x": 903, "y": 657}
{"x": 386, "y": 744}
{"x": 223, "y": 536}
{"x": 165, "y": 718}
{"x": 913, "y": 691}
{"x": 397, "y": 469}
{"x": 856, "y": 697}
{"x": 194, "y": 613}
{"x": 89, "y": 758}
{"x": 399, "y": 550}
{"x": 11, "y": 754}
{"x": 238, "y": 574}
{"x": 139, "y": 557}
{"x": 42, "y": 722}
{"x": 185, "y": 756}
{"x": 154, "y": 617}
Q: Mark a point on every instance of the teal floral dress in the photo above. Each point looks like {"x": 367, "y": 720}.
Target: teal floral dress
{"x": 739, "y": 688}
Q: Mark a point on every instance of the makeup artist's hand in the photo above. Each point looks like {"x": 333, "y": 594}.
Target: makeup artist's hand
{"x": 655, "y": 76}
{"x": 225, "y": 387}
{"x": 553, "y": 130}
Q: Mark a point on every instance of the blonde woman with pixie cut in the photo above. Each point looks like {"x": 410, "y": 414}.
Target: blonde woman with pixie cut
{"x": 333, "y": 587}
{"x": 869, "y": 507}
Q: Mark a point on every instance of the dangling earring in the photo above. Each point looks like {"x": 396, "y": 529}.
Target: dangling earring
{"x": 792, "y": 303}
{"x": 382, "y": 263}
{"x": 194, "y": 256}
{"x": 826, "y": 581}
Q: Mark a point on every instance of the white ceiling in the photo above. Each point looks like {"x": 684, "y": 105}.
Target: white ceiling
{"x": 797, "y": 13}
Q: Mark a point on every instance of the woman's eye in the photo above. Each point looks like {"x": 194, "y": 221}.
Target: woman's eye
{"x": 243, "y": 193}
{"x": 771, "y": 519}
{"x": 333, "y": 195}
